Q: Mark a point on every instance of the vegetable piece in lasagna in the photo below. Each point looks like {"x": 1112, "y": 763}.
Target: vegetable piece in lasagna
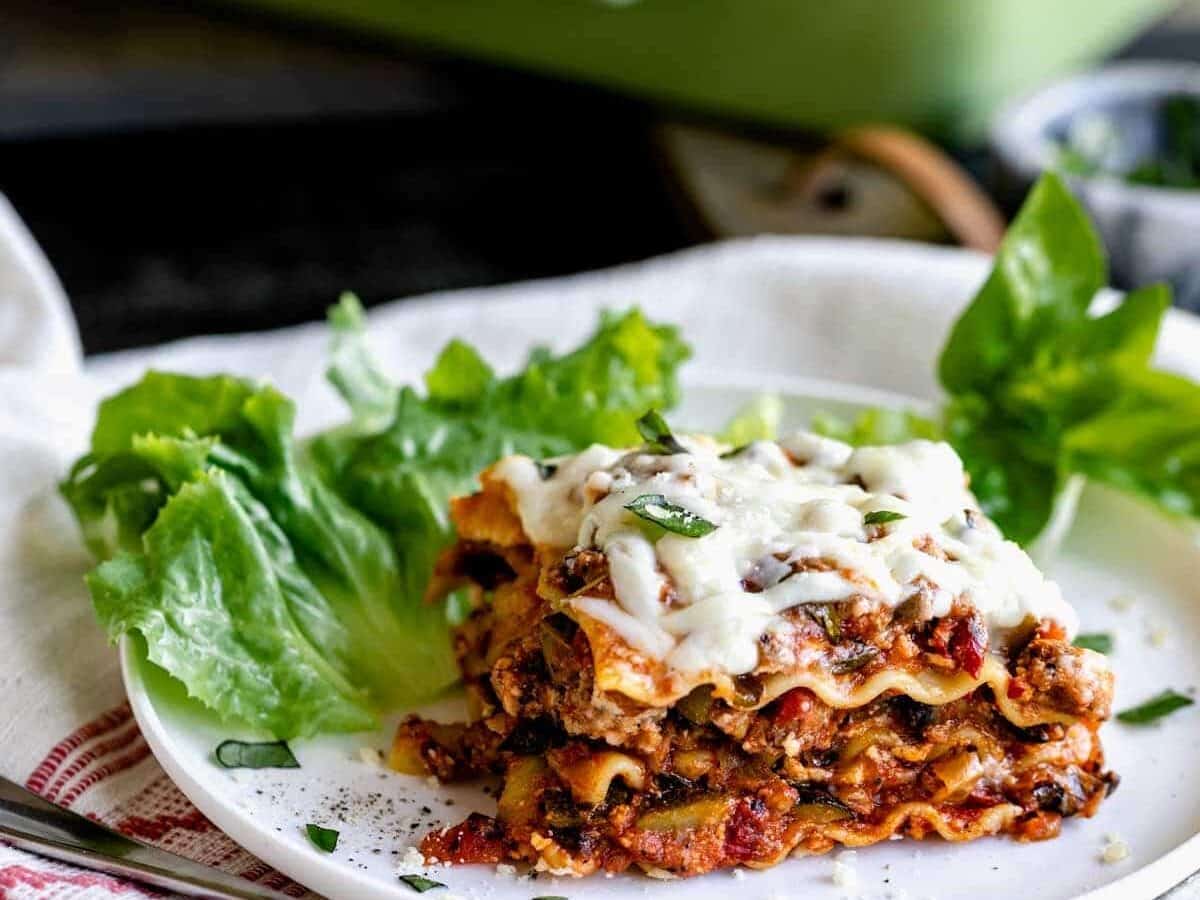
{"x": 688, "y": 656}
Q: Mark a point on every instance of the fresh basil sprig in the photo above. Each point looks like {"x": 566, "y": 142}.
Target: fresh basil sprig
{"x": 1041, "y": 390}
{"x": 256, "y": 755}
{"x": 882, "y": 517}
{"x": 657, "y": 434}
{"x": 1155, "y": 708}
{"x": 674, "y": 518}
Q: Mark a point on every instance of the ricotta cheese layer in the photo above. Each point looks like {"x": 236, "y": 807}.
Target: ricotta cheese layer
{"x": 793, "y": 526}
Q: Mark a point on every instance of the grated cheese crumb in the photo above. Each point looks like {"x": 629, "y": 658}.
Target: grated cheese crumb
{"x": 503, "y": 870}
{"x": 844, "y": 873}
{"x": 1122, "y": 602}
{"x": 791, "y": 745}
{"x": 412, "y": 859}
{"x": 738, "y": 874}
{"x": 371, "y": 756}
{"x": 1115, "y": 849}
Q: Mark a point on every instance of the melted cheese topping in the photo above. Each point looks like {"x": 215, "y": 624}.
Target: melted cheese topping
{"x": 790, "y": 530}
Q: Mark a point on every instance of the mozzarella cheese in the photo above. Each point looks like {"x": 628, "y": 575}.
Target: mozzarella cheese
{"x": 790, "y": 530}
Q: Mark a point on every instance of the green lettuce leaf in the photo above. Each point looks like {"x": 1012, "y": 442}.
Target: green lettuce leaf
{"x": 877, "y": 426}
{"x": 224, "y": 607}
{"x": 758, "y": 421}
{"x": 283, "y": 582}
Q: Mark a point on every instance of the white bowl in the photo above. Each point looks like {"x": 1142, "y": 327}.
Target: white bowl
{"x": 1152, "y": 233}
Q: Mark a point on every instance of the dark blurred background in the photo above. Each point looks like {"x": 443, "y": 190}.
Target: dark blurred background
{"x": 191, "y": 172}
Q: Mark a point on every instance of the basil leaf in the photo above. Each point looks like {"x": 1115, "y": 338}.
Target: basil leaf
{"x": 674, "y": 518}
{"x": 1155, "y": 708}
{"x": 882, "y": 517}
{"x": 854, "y": 662}
{"x": 826, "y": 616}
{"x": 659, "y": 439}
{"x": 1100, "y": 642}
{"x": 322, "y": 838}
{"x": 261, "y": 755}
{"x": 420, "y": 883}
{"x": 1047, "y": 270}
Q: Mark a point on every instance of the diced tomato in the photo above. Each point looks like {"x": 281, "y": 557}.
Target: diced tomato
{"x": 793, "y": 705}
{"x": 1052, "y": 631}
{"x": 477, "y": 840}
{"x": 968, "y": 644}
{"x": 1016, "y": 689}
{"x": 744, "y": 831}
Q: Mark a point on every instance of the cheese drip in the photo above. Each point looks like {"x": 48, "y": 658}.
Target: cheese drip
{"x": 790, "y": 530}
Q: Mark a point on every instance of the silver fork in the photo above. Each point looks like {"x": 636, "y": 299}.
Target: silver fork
{"x": 31, "y": 823}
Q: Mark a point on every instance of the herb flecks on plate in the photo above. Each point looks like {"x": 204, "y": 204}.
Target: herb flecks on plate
{"x": 1099, "y": 641}
{"x": 325, "y": 839}
{"x": 255, "y": 755}
{"x": 1155, "y": 708}
{"x": 420, "y": 883}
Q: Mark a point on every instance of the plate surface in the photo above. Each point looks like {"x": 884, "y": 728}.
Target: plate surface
{"x": 1127, "y": 570}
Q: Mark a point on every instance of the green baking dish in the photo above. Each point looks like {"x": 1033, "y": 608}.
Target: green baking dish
{"x": 938, "y": 65}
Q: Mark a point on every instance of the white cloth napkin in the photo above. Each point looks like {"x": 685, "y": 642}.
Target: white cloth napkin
{"x": 866, "y": 312}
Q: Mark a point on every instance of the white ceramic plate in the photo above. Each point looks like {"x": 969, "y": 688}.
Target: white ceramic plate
{"x": 1118, "y": 550}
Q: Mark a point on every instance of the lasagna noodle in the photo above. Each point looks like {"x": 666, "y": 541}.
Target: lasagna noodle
{"x": 621, "y": 669}
{"x": 874, "y": 777}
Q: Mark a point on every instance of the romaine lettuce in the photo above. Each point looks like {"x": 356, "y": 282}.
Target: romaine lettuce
{"x": 283, "y": 582}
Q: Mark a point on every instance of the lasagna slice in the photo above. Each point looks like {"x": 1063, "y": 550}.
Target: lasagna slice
{"x": 687, "y": 656}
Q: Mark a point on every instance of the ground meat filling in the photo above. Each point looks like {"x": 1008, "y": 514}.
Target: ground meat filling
{"x": 595, "y": 781}
{"x": 707, "y": 802}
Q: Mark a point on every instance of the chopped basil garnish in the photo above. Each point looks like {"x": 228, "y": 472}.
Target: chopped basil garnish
{"x": 827, "y": 618}
{"x": 855, "y": 661}
{"x": 653, "y": 429}
{"x": 1100, "y": 642}
{"x": 420, "y": 883}
{"x": 546, "y": 470}
{"x": 882, "y": 517}
{"x": 736, "y": 451}
{"x": 323, "y": 838}
{"x": 250, "y": 755}
{"x": 1155, "y": 708}
{"x": 674, "y": 518}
